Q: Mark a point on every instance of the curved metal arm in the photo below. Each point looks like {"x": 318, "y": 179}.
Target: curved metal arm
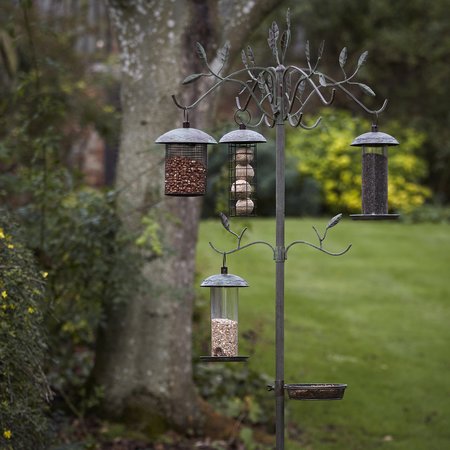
{"x": 318, "y": 248}
{"x": 239, "y": 247}
{"x": 333, "y": 222}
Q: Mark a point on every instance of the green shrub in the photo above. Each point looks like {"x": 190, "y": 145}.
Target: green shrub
{"x": 23, "y": 386}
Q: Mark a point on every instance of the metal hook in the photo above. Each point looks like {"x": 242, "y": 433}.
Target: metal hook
{"x": 239, "y": 120}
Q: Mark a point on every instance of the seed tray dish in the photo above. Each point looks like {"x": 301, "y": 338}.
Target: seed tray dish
{"x": 223, "y": 358}
{"x": 315, "y": 391}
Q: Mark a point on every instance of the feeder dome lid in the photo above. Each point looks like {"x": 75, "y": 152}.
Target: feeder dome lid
{"x": 224, "y": 280}
{"x": 374, "y": 138}
{"x": 243, "y": 136}
{"x": 185, "y": 135}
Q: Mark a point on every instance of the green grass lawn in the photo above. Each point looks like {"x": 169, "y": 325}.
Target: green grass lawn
{"x": 377, "y": 318}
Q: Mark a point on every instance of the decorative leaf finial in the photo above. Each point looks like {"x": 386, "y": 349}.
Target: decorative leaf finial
{"x": 334, "y": 221}
{"x": 225, "y": 221}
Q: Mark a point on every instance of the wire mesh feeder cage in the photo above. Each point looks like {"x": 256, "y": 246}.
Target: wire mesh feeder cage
{"x": 186, "y": 161}
{"x": 374, "y": 177}
{"x": 242, "y": 157}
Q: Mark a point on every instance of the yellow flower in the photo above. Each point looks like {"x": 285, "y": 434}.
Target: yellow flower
{"x": 7, "y": 434}
{"x": 10, "y": 246}
{"x": 44, "y": 274}
{"x": 4, "y": 294}
{"x": 31, "y": 310}
{"x": 2, "y": 234}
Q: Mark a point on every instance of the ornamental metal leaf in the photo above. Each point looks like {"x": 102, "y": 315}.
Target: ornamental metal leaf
{"x": 322, "y": 80}
{"x": 224, "y": 52}
{"x": 307, "y": 52}
{"x": 301, "y": 87}
{"x": 366, "y": 89}
{"x": 321, "y": 48}
{"x": 201, "y": 52}
{"x": 363, "y": 58}
{"x": 244, "y": 58}
{"x": 288, "y": 19}
{"x": 334, "y": 221}
{"x": 225, "y": 221}
{"x": 343, "y": 57}
{"x": 192, "y": 78}
{"x": 250, "y": 55}
{"x": 285, "y": 38}
{"x": 274, "y": 33}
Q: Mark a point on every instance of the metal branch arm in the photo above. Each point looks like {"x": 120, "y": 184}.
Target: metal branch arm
{"x": 239, "y": 246}
{"x": 333, "y": 222}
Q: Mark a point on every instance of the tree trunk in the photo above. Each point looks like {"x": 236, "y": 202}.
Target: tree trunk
{"x": 144, "y": 350}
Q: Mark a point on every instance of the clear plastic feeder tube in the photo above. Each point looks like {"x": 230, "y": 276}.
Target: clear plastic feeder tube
{"x": 224, "y": 321}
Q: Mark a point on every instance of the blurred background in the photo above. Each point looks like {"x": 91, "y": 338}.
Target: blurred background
{"x": 377, "y": 319}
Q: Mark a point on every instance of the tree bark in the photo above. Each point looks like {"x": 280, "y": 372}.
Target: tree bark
{"x": 144, "y": 350}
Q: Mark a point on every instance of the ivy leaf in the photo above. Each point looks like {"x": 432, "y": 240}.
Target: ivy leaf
{"x": 363, "y": 58}
{"x": 343, "y": 57}
{"x": 225, "y": 221}
{"x": 334, "y": 221}
{"x": 201, "y": 52}
{"x": 192, "y": 78}
{"x": 366, "y": 89}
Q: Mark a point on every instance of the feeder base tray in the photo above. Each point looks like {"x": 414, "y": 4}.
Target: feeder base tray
{"x": 315, "y": 391}
{"x": 223, "y": 358}
{"x": 374, "y": 216}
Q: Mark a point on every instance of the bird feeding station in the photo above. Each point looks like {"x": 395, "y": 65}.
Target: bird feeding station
{"x": 280, "y": 94}
{"x": 224, "y": 295}
{"x": 186, "y": 161}
{"x": 374, "y": 176}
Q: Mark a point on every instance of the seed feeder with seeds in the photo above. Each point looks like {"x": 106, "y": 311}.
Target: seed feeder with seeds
{"x": 186, "y": 161}
{"x": 242, "y": 149}
{"x": 374, "y": 177}
{"x": 224, "y": 295}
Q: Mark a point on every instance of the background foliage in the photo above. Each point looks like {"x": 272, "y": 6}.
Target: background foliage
{"x": 23, "y": 344}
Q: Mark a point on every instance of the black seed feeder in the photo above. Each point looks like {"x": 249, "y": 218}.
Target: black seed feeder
{"x": 224, "y": 294}
{"x": 186, "y": 161}
{"x": 242, "y": 170}
{"x": 374, "y": 178}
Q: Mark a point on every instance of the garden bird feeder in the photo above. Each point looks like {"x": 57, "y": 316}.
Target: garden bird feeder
{"x": 224, "y": 294}
{"x": 186, "y": 161}
{"x": 242, "y": 170}
{"x": 374, "y": 178}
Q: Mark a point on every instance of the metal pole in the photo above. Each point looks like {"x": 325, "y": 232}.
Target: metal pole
{"x": 279, "y": 261}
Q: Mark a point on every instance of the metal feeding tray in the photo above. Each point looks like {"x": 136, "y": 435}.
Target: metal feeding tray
{"x": 223, "y": 358}
{"x": 315, "y": 391}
